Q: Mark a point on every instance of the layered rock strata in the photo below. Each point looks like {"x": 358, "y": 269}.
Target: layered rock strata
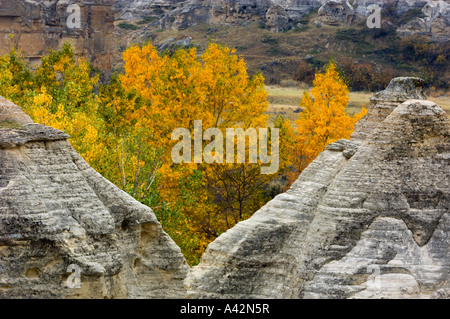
{"x": 277, "y": 15}
{"x": 369, "y": 218}
{"x": 66, "y": 232}
{"x": 281, "y": 15}
{"x": 36, "y": 26}
{"x": 435, "y": 22}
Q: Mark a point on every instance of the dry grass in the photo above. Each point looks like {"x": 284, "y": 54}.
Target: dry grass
{"x": 284, "y": 101}
{"x": 442, "y": 101}
{"x": 292, "y": 96}
{"x": 283, "y": 96}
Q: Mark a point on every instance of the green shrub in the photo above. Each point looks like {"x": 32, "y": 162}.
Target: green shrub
{"x": 148, "y": 20}
{"x": 128, "y": 26}
{"x": 268, "y": 39}
{"x": 274, "y": 50}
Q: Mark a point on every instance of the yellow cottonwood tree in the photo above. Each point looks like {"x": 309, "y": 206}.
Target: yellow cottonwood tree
{"x": 324, "y": 119}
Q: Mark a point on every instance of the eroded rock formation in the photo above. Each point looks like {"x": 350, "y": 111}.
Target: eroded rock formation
{"x": 435, "y": 23}
{"x": 278, "y": 15}
{"x": 277, "y": 19}
{"x": 38, "y": 26}
{"x": 281, "y": 15}
{"x": 398, "y": 6}
{"x": 369, "y": 218}
{"x": 56, "y": 211}
{"x": 336, "y": 12}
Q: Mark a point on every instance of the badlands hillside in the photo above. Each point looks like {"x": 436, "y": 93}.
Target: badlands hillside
{"x": 289, "y": 40}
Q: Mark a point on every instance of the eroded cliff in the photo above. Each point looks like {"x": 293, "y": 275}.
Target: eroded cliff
{"x": 369, "y": 218}
{"x": 282, "y": 15}
{"x": 38, "y": 26}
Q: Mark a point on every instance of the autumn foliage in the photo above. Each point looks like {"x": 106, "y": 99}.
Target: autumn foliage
{"x": 123, "y": 129}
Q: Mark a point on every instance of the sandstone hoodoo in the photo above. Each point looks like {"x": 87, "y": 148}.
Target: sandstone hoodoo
{"x": 369, "y": 218}
{"x": 435, "y": 22}
{"x": 57, "y": 215}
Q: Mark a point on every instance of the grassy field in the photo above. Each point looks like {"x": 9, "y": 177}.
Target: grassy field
{"x": 284, "y": 101}
{"x": 442, "y": 101}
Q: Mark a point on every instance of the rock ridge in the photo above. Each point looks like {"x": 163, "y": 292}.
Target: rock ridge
{"x": 40, "y": 25}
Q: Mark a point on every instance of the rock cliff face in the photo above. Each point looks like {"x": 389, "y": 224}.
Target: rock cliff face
{"x": 369, "y": 218}
{"x": 58, "y": 215}
{"x": 39, "y": 25}
{"x": 281, "y": 15}
{"x": 278, "y": 14}
{"x": 435, "y": 24}
{"x": 336, "y": 12}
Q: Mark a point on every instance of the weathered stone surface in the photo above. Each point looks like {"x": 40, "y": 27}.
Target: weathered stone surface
{"x": 276, "y": 14}
{"x": 181, "y": 14}
{"x": 369, "y": 218}
{"x": 435, "y": 24}
{"x": 11, "y": 113}
{"x": 56, "y": 211}
{"x": 277, "y": 19}
{"x": 384, "y": 102}
{"x": 39, "y": 25}
{"x": 336, "y": 12}
{"x": 398, "y": 6}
